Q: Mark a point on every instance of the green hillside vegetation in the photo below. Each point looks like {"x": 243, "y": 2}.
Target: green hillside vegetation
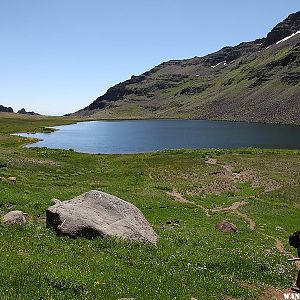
{"x": 254, "y": 81}
{"x": 191, "y": 259}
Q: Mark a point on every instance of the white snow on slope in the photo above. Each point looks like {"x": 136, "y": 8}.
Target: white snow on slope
{"x": 222, "y": 62}
{"x": 287, "y": 38}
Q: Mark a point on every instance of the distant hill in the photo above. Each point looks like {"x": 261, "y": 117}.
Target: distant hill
{"x": 253, "y": 81}
{"x": 24, "y": 112}
{"x": 6, "y": 109}
{"x": 21, "y": 111}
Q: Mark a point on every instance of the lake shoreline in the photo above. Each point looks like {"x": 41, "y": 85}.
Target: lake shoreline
{"x": 213, "y": 135}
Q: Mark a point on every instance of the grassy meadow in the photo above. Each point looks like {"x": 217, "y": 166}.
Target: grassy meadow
{"x": 192, "y": 258}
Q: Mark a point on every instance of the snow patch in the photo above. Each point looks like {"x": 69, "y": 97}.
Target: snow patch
{"x": 222, "y": 62}
{"x": 288, "y": 37}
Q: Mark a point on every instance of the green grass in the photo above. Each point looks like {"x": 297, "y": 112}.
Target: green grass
{"x": 191, "y": 259}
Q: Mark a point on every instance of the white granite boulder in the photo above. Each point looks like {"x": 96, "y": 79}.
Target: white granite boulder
{"x": 97, "y": 213}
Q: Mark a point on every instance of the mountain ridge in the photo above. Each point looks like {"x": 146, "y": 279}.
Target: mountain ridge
{"x": 253, "y": 81}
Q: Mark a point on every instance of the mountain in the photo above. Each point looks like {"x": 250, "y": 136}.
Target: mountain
{"x": 6, "y": 109}
{"x": 253, "y": 81}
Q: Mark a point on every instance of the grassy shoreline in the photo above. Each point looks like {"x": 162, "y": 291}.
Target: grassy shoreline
{"x": 192, "y": 258}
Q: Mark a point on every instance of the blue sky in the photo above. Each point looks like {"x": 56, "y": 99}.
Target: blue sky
{"x": 57, "y": 56}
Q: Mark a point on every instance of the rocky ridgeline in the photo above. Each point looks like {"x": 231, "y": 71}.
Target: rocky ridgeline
{"x": 285, "y": 28}
{"x": 191, "y": 87}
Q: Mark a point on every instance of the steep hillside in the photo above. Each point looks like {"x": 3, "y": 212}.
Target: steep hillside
{"x": 254, "y": 81}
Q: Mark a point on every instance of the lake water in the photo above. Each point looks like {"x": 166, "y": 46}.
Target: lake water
{"x": 151, "y": 135}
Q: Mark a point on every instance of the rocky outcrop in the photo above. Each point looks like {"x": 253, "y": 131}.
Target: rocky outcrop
{"x": 115, "y": 93}
{"x": 97, "y": 213}
{"x": 229, "y": 54}
{"x": 291, "y": 78}
{"x": 6, "y": 109}
{"x": 192, "y": 90}
{"x": 24, "y": 112}
{"x": 15, "y": 217}
{"x": 284, "y": 29}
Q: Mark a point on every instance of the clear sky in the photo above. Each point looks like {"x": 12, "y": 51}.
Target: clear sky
{"x": 57, "y": 56}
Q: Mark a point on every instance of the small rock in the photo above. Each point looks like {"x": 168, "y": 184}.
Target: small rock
{"x": 225, "y": 226}
{"x": 12, "y": 180}
{"x": 14, "y": 217}
{"x": 9, "y": 205}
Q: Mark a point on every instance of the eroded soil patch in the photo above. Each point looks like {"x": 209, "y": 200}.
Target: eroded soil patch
{"x": 231, "y": 177}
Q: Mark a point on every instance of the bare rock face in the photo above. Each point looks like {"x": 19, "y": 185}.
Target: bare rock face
{"x": 285, "y": 28}
{"x": 97, "y": 213}
{"x": 14, "y": 217}
{"x": 225, "y": 226}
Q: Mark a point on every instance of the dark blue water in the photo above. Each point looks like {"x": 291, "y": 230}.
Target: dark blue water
{"x": 152, "y": 135}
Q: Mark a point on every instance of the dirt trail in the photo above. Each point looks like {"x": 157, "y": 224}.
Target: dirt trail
{"x": 278, "y": 244}
{"x": 178, "y": 197}
{"x": 251, "y": 222}
{"x": 208, "y": 211}
{"x": 227, "y": 168}
{"x": 280, "y": 247}
{"x": 233, "y": 206}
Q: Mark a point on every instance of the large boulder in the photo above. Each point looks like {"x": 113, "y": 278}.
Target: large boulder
{"x": 14, "y": 217}
{"x": 97, "y": 213}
